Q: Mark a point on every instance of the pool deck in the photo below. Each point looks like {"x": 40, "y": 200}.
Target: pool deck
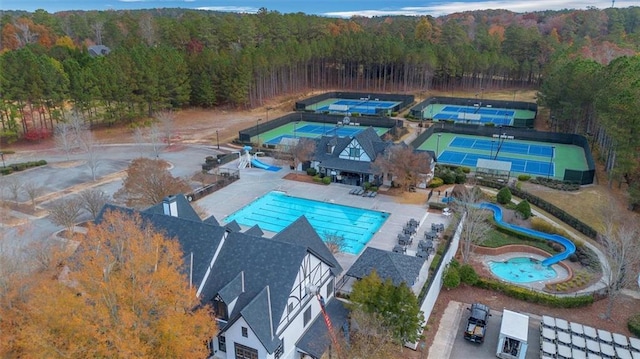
{"x": 256, "y": 182}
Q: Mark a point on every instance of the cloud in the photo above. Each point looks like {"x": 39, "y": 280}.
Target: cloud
{"x": 242, "y": 9}
{"x": 452, "y": 7}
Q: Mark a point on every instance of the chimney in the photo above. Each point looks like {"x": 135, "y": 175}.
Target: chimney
{"x": 170, "y": 206}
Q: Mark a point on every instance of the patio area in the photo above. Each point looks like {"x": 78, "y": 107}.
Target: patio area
{"x": 255, "y": 182}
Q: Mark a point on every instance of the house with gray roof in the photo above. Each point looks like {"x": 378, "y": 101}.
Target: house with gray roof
{"x": 267, "y": 293}
{"x": 98, "y": 50}
{"x": 349, "y": 159}
{"x": 396, "y": 267}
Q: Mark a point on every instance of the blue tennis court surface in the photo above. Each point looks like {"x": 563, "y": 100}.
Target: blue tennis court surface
{"x": 313, "y": 131}
{"x": 507, "y": 147}
{"x": 472, "y": 114}
{"x": 368, "y": 107}
{"x": 540, "y": 168}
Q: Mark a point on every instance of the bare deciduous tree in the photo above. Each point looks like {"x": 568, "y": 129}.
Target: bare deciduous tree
{"x": 155, "y": 138}
{"x": 476, "y": 224}
{"x": 619, "y": 241}
{"x": 147, "y": 29}
{"x": 64, "y": 138}
{"x": 89, "y": 146}
{"x": 406, "y": 165}
{"x": 303, "y": 151}
{"x": 65, "y": 213}
{"x": 166, "y": 120}
{"x": 92, "y": 200}
{"x": 334, "y": 241}
{"x": 33, "y": 191}
{"x": 97, "y": 28}
{"x": 15, "y": 187}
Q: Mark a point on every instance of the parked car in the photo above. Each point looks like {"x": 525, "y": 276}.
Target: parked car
{"x": 477, "y": 323}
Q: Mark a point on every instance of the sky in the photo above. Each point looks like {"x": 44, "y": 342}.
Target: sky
{"x": 330, "y": 8}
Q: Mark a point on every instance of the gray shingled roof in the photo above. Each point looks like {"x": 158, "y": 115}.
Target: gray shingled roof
{"x": 233, "y": 289}
{"x": 301, "y": 232}
{"x": 254, "y": 231}
{"x": 185, "y": 211}
{"x": 233, "y": 226}
{"x": 389, "y": 265}
{"x": 211, "y": 220}
{"x": 195, "y": 237}
{"x": 316, "y": 339}
{"x": 265, "y": 262}
{"x": 367, "y": 138}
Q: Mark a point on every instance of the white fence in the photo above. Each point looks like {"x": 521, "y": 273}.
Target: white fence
{"x": 430, "y": 298}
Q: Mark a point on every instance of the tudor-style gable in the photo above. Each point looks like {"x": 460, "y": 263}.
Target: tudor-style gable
{"x": 354, "y": 152}
{"x": 312, "y": 277}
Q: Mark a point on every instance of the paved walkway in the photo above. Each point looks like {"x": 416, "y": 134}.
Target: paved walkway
{"x": 447, "y": 331}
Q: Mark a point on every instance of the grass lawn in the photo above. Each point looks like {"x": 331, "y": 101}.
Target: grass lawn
{"x": 497, "y": 239}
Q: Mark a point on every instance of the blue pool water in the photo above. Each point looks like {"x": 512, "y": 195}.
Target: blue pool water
{"x": 522, "y": 270}
{"x": 276, "y": 210}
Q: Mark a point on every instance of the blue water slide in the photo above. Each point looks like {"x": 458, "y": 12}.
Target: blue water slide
{"x": 259, "y": 164}
{"x": 569, "y": 247}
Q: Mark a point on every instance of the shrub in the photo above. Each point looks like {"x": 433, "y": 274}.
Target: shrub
{"x": 6, "y": 171}
{"x": 468, "y": 275}
{"x": 451, "y": 277}
{"x": 532, "y": 296}
{"x": 524, "y": 209}
{"x": 524, "y": 178}
{"x": 317, "y": 178}
{"x": 460, "y": 178}
{"x": 634, "y": 325}
{"x": 366, "y": 185}
{"x": 541, "y": 225}
{"x": 504, "y": 195}
{"x": 465, "y": 169}
{"x": 448, "y": 177}
{"x": 326, "y": 180}
{"x": 437, "y": 205}
{"x": 436, "y": 182}
{"x": 312, "y": 171}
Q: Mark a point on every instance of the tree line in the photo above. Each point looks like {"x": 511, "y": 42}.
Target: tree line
{"x": 601, "y": 102}
{"x": 169, "y": 58}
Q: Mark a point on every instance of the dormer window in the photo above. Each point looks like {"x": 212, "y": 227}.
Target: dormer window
{"x": 220, "y": 308}
{"x": 354, "y": 152}
{"x": 329, "y": 149}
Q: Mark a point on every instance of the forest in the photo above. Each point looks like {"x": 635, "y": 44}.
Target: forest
{"x": 584, "y": 63}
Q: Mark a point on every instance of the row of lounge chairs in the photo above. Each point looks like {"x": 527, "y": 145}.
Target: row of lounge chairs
{"x": 363, "y": 193}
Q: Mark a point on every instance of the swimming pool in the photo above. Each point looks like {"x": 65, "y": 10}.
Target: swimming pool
{"x": 276, "y": 210}
{"x": 522, "y": 270}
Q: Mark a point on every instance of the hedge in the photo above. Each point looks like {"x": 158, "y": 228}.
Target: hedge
{"x": 532, "y": 296}
{"x": 21, "y": 166}
{"x": 546, "y": 206}
{"x": 634, "y": 325}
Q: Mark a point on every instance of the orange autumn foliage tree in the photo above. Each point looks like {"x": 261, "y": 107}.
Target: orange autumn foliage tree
{"x": 122, "y": 294}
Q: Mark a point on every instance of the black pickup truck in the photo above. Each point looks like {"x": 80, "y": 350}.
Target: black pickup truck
{"x": 477, "y": 323}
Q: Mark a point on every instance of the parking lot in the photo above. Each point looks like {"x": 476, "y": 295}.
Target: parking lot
{"x": 466, "y": 349}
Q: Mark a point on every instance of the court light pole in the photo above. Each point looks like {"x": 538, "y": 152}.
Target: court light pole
{"x": 491, "y": 156}
{"x": 438, "y": 146}
{"x": 268, "y": 108}
{"x": 553, "y": 149}
{"x": 258, "y": 131}
{"x": 217, "y": 140}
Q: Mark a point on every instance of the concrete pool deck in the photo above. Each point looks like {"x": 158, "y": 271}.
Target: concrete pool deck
{"x": 256, "y": 182}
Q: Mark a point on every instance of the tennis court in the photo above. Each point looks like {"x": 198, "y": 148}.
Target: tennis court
{"x": 534, "y": 158}
{"x": 533, "y": 167}
{"x": 506, "y": 146}
{"x": 303, "y": 129}
{"x": 475, "y": 114}
{"x": 365, "y": 106}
